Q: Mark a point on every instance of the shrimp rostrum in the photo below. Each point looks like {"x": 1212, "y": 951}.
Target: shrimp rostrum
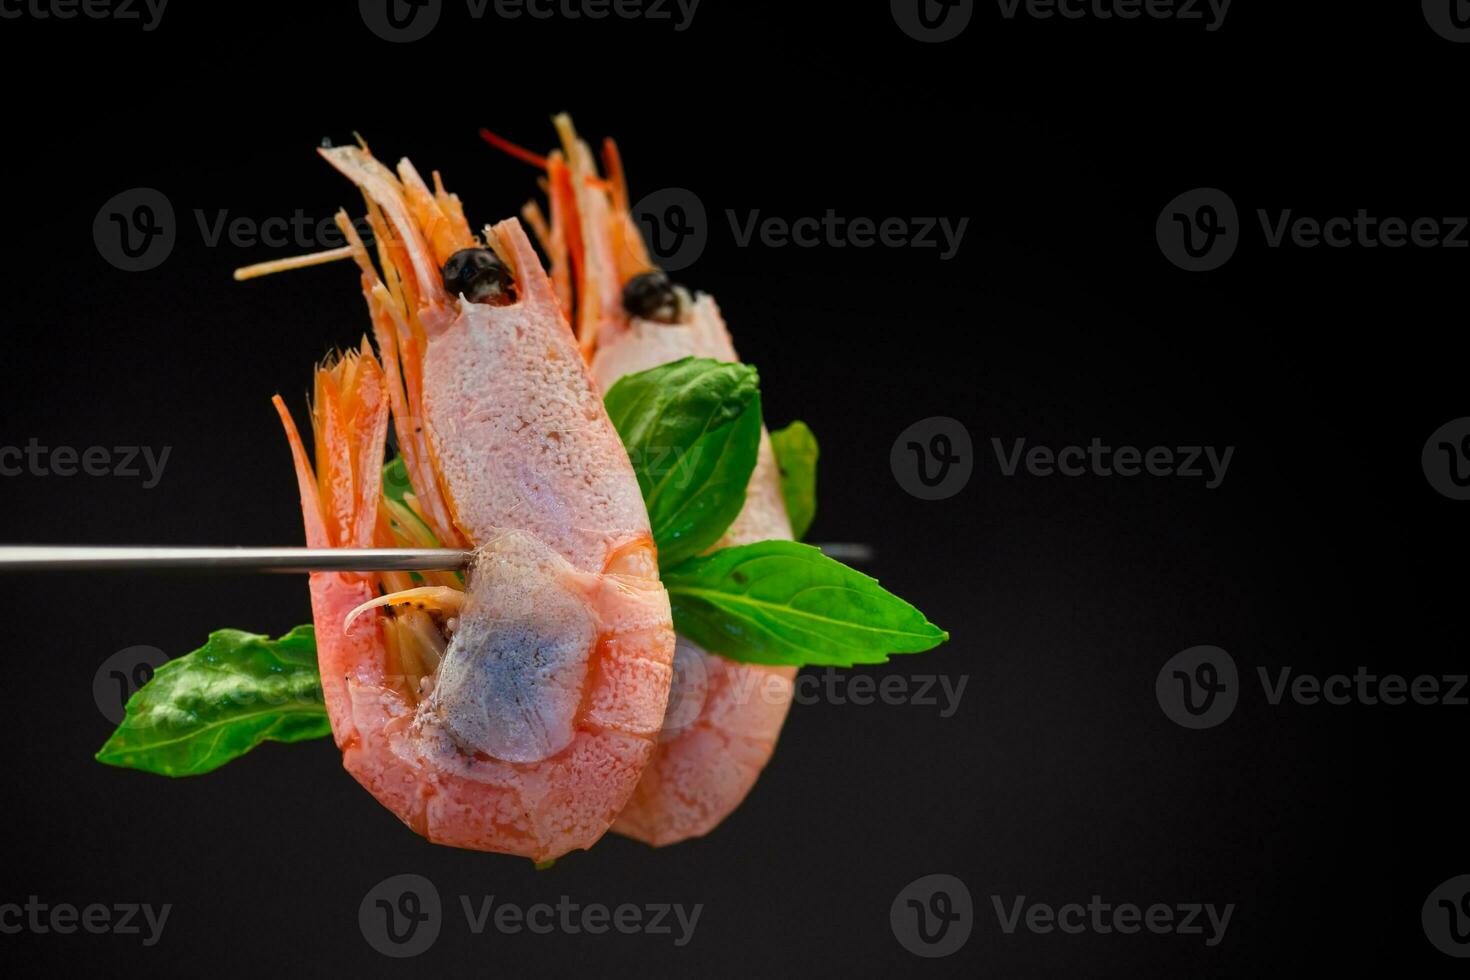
{"x": 513, "y": 708}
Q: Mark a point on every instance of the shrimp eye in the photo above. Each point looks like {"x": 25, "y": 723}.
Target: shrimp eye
{"x": 653, "y": 297}
{"x": 478, "y": 275}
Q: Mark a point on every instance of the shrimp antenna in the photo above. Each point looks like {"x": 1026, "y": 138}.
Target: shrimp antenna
{"x": 534, "y": 159}
{"x": 294, "y": 262}
{"x": 513, "y": 149}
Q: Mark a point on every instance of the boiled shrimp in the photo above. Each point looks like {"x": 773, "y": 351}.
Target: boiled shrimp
{"x": 514, "y": 709}
{"x": 724, "y": 717}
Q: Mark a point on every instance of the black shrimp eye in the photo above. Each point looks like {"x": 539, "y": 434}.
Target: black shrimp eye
{"x": 478, "y": 275}
{"x": 653, "y": 296}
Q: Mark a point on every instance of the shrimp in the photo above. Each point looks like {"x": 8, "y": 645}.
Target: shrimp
{"x": 724, "y": 716}
{"x": 515, "y": 710}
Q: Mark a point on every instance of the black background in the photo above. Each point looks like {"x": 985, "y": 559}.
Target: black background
{"x": 1059, "y": 777}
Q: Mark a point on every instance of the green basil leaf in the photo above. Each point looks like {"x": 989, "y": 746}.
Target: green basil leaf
{"x": 796, "y": 457}
{"x": 396, "y": 484}
{"x": 211, "y": 706}
{"x": 692, "y": 430}
{"x": 780, "y": 602}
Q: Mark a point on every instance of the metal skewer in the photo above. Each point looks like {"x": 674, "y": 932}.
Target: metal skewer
{"x": 86, "y": 558}
{"x": 47, "y": 558}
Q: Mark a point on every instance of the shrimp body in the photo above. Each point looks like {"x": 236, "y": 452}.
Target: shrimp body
{"x": 514, "y": 711}
{"x": 724, "y": 717}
